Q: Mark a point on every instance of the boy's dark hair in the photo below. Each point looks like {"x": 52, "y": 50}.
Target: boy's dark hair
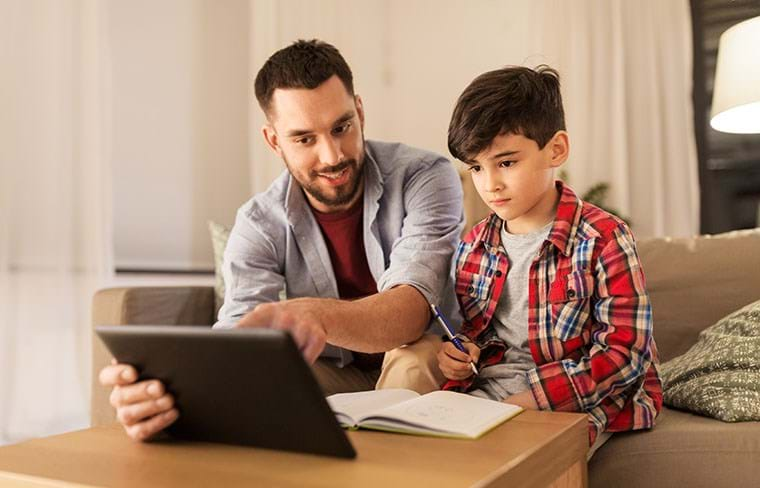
{"x": 303, "y": 64}
{"x": 513, "y": 99}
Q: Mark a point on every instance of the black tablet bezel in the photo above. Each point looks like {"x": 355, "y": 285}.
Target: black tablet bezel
{"x": 236, "y": 386}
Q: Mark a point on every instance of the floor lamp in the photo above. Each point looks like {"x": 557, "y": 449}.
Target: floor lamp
{"x": 736, "y": 93}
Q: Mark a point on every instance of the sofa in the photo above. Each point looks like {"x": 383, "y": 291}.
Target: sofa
{"x": 692, "y": 282}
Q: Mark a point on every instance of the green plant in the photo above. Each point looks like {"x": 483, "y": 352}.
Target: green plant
{"x": 596, "y": 195}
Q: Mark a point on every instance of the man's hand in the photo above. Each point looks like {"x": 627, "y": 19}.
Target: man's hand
{"x": 144, "y": 408}
{"x": 454, "y": 364}
{"x": 523, "y": 399}
{"x": 301, "y": 317}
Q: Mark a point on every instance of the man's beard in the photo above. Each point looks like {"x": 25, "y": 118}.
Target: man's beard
{"x": 343, "y": 194}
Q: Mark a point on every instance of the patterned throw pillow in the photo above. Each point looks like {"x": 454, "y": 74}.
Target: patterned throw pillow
{"x": 219, "y": 236}
{"x": 720, "y": 375}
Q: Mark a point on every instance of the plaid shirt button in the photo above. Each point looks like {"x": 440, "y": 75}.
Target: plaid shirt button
{"x": 570, "y": 293}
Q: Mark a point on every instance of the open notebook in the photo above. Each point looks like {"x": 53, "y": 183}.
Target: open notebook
{"x": 440, "y": 413}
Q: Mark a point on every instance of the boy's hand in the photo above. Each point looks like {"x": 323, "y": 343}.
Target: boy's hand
{"x": 454, "y": 364}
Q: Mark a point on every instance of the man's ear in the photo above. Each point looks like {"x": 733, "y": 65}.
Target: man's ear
{"x": 559, "y": 148}
{"x": 270, "y": 136}
{"x": 359, "y": 109}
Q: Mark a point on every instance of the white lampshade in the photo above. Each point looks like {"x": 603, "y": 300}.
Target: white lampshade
{"x": 736, "y": 93}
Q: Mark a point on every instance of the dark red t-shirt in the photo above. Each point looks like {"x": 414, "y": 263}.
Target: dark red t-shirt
{"x": 344, "y": 237}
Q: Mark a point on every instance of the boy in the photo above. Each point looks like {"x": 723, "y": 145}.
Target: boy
{"x": 556, "y": 314}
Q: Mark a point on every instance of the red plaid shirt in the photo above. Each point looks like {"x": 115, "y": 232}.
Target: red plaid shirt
{"x": 589, "y": 317}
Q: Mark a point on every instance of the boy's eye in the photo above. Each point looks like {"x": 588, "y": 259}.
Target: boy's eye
{"x": 473, "y": 168}
{"x": 507, "y": 164}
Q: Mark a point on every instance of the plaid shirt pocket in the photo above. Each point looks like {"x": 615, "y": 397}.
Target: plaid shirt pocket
{"x": 570, "y": 299}
{"x": 472, "y": 290}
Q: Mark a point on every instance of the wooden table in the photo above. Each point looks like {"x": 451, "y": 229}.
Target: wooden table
{"x": 534, "y": 449}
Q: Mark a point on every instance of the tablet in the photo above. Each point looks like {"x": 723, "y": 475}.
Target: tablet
{"x": 239, "y": 386}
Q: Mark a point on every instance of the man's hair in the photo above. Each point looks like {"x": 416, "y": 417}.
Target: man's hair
{"x": 510, "y": 100}
{"x": 303, "y": 64}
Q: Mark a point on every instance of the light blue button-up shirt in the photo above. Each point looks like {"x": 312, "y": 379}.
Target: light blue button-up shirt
{"x": 412, "y": 221}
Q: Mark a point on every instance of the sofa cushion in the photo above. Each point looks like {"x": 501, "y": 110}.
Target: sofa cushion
{"x": 219, "y": 237}
{"x": 720, "y": 375}
{"x": 154, "y": 305}
{"x": 683, "y": 450}
{"x": 693, "y": 282}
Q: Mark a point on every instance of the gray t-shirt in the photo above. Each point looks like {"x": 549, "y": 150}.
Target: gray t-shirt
{"x": 510, "y": 319}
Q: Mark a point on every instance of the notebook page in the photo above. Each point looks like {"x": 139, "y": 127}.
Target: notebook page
{"x": 446, "y": 411}
{"x": 355, "y": 406}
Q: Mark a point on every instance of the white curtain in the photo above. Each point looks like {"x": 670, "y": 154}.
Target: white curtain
{"x": 625, "y": 68}
{"x": 627, "y": 81}
{"x": 54, "y": 210}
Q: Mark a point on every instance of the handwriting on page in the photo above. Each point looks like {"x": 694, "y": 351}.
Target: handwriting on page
{"x": 440, "y": 413}
{"x": 448, "y": 411}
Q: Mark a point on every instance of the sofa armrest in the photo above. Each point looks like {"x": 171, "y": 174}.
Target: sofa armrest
{"x": 191, "y": 305}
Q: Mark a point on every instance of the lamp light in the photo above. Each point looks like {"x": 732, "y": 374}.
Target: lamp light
{"x": 736, "y": 93}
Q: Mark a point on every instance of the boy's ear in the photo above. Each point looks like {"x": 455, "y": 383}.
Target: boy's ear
{"x": 270, "y": 136}
{"x": 559, "y": 148}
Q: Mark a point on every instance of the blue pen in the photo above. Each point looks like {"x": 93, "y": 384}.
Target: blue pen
{"x": 455, "y": 340}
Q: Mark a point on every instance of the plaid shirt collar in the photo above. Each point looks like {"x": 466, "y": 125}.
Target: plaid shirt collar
{"x": 563, "y": 230}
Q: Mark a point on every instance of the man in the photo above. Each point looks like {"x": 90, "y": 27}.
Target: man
{"x": 359, "y": 234}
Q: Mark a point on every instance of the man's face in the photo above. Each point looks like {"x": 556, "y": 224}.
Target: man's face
{"x": 319, "y": 135}
{"x": 516, "y": 179}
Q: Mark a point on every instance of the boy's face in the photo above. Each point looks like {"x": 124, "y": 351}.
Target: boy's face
{"x": 516, "y": 179}
{"x": 319, "y": 135}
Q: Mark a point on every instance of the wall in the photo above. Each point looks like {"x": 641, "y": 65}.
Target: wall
{"x": 179, "y": 127}
{"x": 625, "y": 69}
{"x": 186, "y": 128}
{"x": 410, "y": 59}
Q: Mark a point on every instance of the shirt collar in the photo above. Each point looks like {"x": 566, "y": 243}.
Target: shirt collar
{"x": 373, "y": 178}
{"x": 562, "y": 233}
{"x": 565, "y": 226}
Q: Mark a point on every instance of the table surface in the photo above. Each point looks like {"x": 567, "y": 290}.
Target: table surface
{"x": 532, "y": 449}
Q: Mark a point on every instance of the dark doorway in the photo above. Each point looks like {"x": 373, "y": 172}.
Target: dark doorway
{"x": 729, "y": 164}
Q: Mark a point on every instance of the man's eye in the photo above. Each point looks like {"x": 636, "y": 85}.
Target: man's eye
{"x": 473, "y": 168}
{"x": 507, "y": 164}
{"x": 303, "y": 140}
{"x": 341, "y": 128}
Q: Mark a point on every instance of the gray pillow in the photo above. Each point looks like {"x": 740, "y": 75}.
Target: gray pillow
{"x": 219, "y": 236}
{"x": 719, "y": 376}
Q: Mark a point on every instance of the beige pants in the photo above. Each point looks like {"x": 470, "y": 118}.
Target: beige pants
{"x": 413, "y": 366}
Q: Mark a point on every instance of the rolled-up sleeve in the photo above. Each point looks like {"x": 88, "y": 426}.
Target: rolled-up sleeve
{"x": 422, "y": 255}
